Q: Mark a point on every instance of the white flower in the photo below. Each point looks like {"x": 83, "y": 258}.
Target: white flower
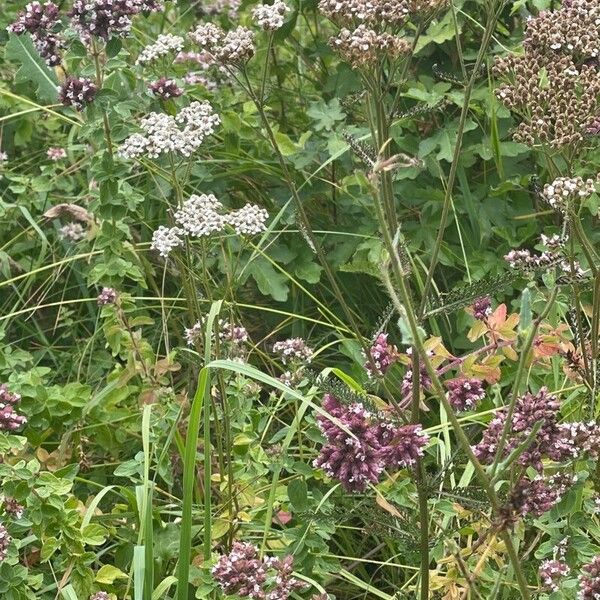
{"x": 164, "y": 44}
{"x": 248, "y": 220}
{"x": 270, "y": 16}
{"x": 165, "y": 239}
{"x": 164, "y": 133}
{"x": 199, "y": 217}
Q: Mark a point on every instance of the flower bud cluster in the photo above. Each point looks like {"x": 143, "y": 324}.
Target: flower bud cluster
{"x": 554, "y": 86}
{"x": 10, "y": 420}
{"x": 382, "y": 354}
{"x": 245, "y": 574}
{"x": 357, "y": 454}
{"x": 270, "y": 17}
{"x": 364, "y": 47}
{"x": 77, "y": 92}
{"x": 40, "y": 21}
{"x": 564, "y": 190}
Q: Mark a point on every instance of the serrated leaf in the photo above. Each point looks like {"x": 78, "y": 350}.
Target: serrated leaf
{"x": 32, "y": 67}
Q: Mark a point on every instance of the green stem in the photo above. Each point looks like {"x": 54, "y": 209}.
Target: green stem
{"x": 519, "y": 378}
{"x": 487, "y": 35}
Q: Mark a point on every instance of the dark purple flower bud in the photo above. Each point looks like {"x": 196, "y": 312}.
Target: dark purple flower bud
{"x": 77, "y": 92}
{"x": 10, "y": 420}
{"x": 383, "y": 355}
{"x": 464, "y": 393}
{"x": 106, "y": 18}
{"x": 401, "y": 445}
{"x": 482, "y": 308}
{"x": 551, "y": 572}
{"x": 354, "y": 460}
{"x": 39, "y": 21}
{"x": 164, "y": 88}
{"x": 589, "y": 581}
{"x": 107, "y": 296}
{"x": 241, "y": 571}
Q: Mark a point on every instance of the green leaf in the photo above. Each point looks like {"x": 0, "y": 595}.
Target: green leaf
{"x": 298, "y": 495}
{"x": 94, "y": 534}
{"x": 269, "y": 281}
{"x": 32, "y": 67}
{"x": 107, "y": 574}
{"x": 325, "y": 114}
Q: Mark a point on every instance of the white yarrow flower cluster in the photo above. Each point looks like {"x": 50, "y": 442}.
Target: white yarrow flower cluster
{"x": 563, "y": 189}
{"x": 164, "y": 133}
{"x": 200, "y": 216}
{"x": 165, "y": 239}
{"x": 270, "y": 16}
{"x": 293, "y": 349}
{"x": 235, "y": 46}
{"x": 248, "y": 220}
{"x": 164, "y": 44}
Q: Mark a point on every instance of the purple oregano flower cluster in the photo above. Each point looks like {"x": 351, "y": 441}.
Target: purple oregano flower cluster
{"x": 589, "y": 581}
{"x": 244, "y": 573}
{"x": 555, "y": 441}
{"x": 382, "y": 356}
{"x": 40, "y": 22}
{"x": 464, "y": 393}
{"x": 101, "y": 19}
{"x": 10, "y": 420}
{"x": 373, "y": 444}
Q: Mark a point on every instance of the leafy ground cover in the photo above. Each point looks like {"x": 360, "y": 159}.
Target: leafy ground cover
{"x": 299, "y": 300}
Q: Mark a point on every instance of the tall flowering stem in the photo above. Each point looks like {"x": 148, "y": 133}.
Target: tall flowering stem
{"x": 403, "y": 302}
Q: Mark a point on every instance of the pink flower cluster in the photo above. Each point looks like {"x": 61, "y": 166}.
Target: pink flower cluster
{"x": 107, "y": 18}
{"x": 555, "y": 441}
{"x": 358, "y": 454}
{"x": 244, "y": 573}
{"x": 464, "y": 393}
{"x": 589, "y": 581}
{"x": 382, "y": 354}
{"x": 10, "y": 420}
{"x": 40, "y": 20}
{"x": 537, "y": 496}
{"x": 551, "y": 572}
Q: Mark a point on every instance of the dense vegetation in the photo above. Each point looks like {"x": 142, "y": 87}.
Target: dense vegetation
{"x": 299, "y": 300}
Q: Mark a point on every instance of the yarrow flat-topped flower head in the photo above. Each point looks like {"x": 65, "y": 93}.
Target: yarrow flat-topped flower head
{"x": 231, "y": 48}
{"x": 202, "y": 215}
{"x": 270, "y": 17}
{"x": 163, "y": 133}
{"x": 165, "y": 44}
